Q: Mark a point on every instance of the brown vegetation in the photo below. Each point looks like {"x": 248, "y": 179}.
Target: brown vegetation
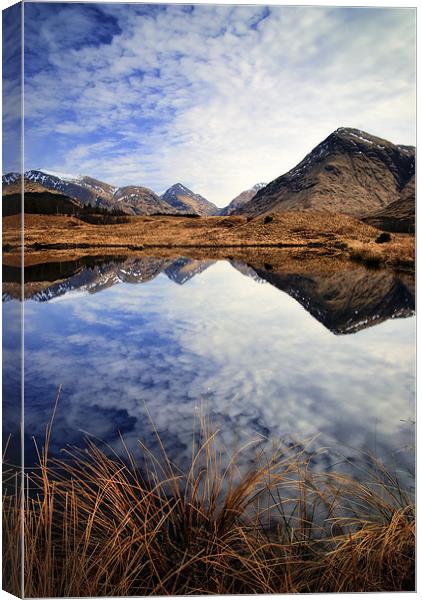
{"x": 97, "y": 525}
{"x": 317, "y": 233}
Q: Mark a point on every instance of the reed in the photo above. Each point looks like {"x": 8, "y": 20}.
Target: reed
{"x": 97, "y": 524}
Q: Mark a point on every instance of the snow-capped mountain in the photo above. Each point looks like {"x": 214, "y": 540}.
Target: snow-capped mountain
{"x": 184, "y": 200}
{"x": 85, "y": 190}
{"x": 134, "y": 200}
{"x": 241, "y": 199}
{"x": 10, "y": 178}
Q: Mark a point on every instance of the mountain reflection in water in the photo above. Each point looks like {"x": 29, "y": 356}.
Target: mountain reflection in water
{"x": 343, "y": 302}
{"x": 225, "y": 340}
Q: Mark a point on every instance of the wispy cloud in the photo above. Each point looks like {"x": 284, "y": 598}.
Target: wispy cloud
{"x": 218, "y": 97}
{"x": 12, "y": 88}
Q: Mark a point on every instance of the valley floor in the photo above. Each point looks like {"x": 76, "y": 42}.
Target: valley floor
{"x": 305, "y": 234}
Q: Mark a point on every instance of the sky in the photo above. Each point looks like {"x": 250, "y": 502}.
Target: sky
{"x": 215, "y": 97}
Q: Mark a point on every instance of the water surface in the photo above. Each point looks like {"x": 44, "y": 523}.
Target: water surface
{"x": 264, "y": 353}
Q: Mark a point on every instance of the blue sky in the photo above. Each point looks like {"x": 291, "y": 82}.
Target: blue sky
{"x": 216, "y": 97}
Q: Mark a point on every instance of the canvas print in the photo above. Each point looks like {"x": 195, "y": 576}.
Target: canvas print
{"x": 208, "y": 299}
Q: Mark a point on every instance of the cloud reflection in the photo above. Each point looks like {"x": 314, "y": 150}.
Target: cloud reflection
{"x": 249, "y": 355}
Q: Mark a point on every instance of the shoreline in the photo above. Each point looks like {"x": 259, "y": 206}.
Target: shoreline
{"x": 305, "y": 234}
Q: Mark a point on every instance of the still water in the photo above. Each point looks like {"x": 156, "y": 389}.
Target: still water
{"x": 264, "y": 354}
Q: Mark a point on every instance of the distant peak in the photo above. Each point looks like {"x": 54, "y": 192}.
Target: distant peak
{"x": 179, "y": 188}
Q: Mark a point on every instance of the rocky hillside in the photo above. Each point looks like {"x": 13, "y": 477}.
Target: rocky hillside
{"x": 185, "y": 201}
{"x": 350, "y": 172}
{"x": 11, "y": 187}
{"x": 138, "y": 200}
{"x": 10, "y": 179}
{"x": 399, "y": 216}
{"x": 83, "y": 190}
{"x": 241, "y": 200}
{"x": 133, "y": 200}
{"x": 38, "y": 199}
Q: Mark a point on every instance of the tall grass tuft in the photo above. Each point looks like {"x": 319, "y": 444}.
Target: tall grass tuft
{"x": 96, "y": 524}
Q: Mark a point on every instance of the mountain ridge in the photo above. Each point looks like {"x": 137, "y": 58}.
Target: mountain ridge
{"x": 131, "y": 199}
{"x": 350, "y": 172}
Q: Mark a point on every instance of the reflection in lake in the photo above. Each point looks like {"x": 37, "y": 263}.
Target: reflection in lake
{"x": 259, "y": 360}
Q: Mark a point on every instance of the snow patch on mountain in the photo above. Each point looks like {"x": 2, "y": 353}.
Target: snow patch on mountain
{"x": 44, "y": 178}
{"x": 59, "y": 175}
{"x": 9, "y": 178}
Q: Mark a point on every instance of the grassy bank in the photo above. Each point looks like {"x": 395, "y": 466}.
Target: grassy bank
{"x": 95, "y": 524}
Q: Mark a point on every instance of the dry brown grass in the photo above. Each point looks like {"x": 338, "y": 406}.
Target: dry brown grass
{"x": 318, "y": 233}
{"x": 96, "y": 524}
{"x": 398, "y": 253}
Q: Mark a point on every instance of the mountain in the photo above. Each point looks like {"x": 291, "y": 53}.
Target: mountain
{"x": 82, "y": 188}
{"x": 138, "y": 200}
{"x": 11, "y": 186}
{"x": 38, "y": 199}
{"x": 241, "y": 199}
{"x": 10, "y": 178}
{"x": 399, "y": 216}
{"x": 184, "y": 200}
{"x": 350, "y": 172}
{"x": 79, "y": 191}
{"x": 133, "y": 200}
